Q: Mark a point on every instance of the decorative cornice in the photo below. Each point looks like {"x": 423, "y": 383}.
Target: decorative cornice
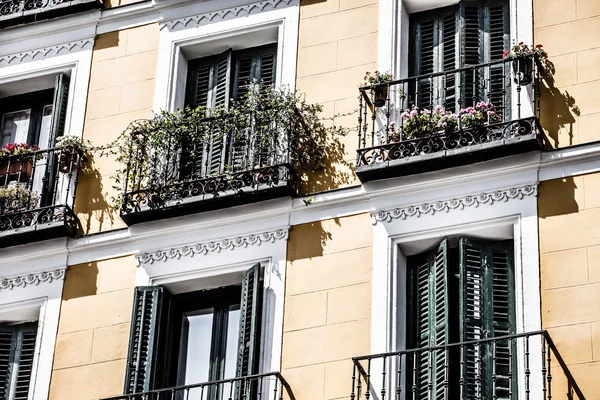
{"x": 228, "y": 13}
{"x": 212, "y": 247}
{"x": 46, "y": 52}
{"x": 32, "y": 279}
{"x": 453, "y": 204}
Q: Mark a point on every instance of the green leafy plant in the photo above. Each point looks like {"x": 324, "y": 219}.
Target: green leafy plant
{"x": 266, "y": 127}
{"x": 17, "y": 149}
{"x": 16, "y": 197}
{"x": 419, "y": 123}
{"x": 377, "y": 77}
{"x": 524, "y": 50}
{"x": 482, "y": 114}
{"x": 74, "y": 151}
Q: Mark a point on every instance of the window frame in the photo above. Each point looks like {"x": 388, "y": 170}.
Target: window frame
{"x": 35, "y": 101}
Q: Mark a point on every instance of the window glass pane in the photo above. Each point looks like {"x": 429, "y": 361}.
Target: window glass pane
{"x": 45, "y": 127}
{"x": 198, "y": 336}
{"x": 15, "y": 127}
{"x": 233, "y": 329}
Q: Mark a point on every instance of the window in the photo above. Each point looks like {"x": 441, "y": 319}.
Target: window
{"x": 458, "y": 295}
{"x": 35, "y": 118}
{"x": 471, "y": 33}
{"x": 194, "y": 337}
{"x": 17, "y": 351}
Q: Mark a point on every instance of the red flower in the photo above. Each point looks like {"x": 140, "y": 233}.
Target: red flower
{"x": 520, "y": 43}
{"x": 505, "y": 54}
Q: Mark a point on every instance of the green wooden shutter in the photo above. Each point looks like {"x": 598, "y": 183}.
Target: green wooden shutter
{"x": 487, "y": 310}
{"x": 428, "y": 294}
{"x": 147, "y": 342}
{"x": 250, "y": 322}
{"x": 59, "y": 108}
{"x": 433, "y": 49}
{"x": 254, "y": 65}
{"x": 17, "y": 351}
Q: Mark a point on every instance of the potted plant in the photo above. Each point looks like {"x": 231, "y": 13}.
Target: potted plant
{"x": 74, "y": 152}
{"x": 522, "y": 61}
{"x": 16, "y": 197}
{"x": 482, "y": 114}
{"x": 379, "y": 87}
{"x": 421, "y": 123}
{"x": 16, "y": 160}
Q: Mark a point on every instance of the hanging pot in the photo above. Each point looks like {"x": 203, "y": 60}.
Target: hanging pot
{"x": 523, "y": 70}
{"x": 380, "y": 95}
{"x": 68, "y": 160}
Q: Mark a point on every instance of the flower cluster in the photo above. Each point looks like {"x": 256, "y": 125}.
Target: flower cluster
{"x": 377, "y": 77}
{"x": 14, "y": 198}
{"x": 523, "y": 50}
{"x": 17, "y": 149}
{"x": 483, "y": 113}
{"x": 419, "y": 123}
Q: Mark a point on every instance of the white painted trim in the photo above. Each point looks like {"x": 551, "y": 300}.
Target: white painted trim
{"x": 177, "y": 34}
{"x": 223, "y": 257}
{"x": 46, "y": 296}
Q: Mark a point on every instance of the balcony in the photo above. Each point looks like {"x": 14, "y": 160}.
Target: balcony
{"x": 512, "y": 367}
{"x": 202, "y": 164}
{"x": 37, "y": 193}
{"x": 463, "y": 116}
{"x": 269, "y": 386}
{"x": 15, "y": 12}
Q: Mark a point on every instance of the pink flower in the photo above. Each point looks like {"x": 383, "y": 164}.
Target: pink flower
{"x": 505, "y": 54}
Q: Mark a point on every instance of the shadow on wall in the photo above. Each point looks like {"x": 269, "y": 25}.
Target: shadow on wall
{"x": 310, "y": 240}
{"x": 557, "y": 197}
{"x": 81, "y": 281}
{"x": 91, "y": 202}
{"x": 558, "y": 109}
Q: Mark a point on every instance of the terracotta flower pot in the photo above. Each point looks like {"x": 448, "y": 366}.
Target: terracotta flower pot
{"x": 68, "y": 160}
{"x": 18, "y": 170}
{"x": 380, "y": 95}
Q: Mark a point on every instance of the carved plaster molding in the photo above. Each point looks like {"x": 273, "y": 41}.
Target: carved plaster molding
{"x": 255, "y": 239}
{"x": 454, "y": 204}
{"x": 225, "y": 14}
{"x": 46, "y": 52}
{"x": 32, "y": 279}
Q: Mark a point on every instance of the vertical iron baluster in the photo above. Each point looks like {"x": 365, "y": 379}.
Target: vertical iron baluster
{"x": 430, "y": 374}
{"x": 505, "y": 107}
{"x": 527, "y": 371}
{"x": 275, "y": 391}
{"x": 414, "y": 383}
{"x": 360, "y": 119}
{"x": 549, "y": 376}
{"x": 365, "y": 124}
{"x": 445, "y": 90}
{"x": 187, "y": 394}
{"x": 494, "y": 371}
{"x": 537, "y": 88}
{"x": 368, "y": 382}
{"x": 260, "y": 383}
{"x": 474, "y": 99}
{"x": 353, "y": 381}
{"x": 518, "y": 74}
{"x": 387, "y": 116}
{"x": 462, "y": 382}
{"x": 383, "y": 379}
{"x": 374, "y": 123}
{"x": 399, "y": 377}
{"x": 446, "y": 372}
{"x": 478, "y": 372}
{"x": 358, "y": 385}
{"x": 280, "y": 391}
{"x": 544, "y": 366}
{"x": 231, "y": 390}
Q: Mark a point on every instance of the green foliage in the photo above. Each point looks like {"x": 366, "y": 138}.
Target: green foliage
{"x": 16, "y": 197}
{"x": 279, "y": 125}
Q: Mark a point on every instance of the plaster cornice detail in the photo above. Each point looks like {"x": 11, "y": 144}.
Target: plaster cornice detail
{"x": 45, "y": 52}
{"x": 232, "y": 12}
{"x": 33, "y": 279}
{"x": 254, "y": 239}
{"x": 461, "y": 203}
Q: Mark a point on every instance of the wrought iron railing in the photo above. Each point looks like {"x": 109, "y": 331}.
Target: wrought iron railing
{"x": 269, "y": 386}
{"x": 521, "y": 366}
{"x": 18, "y": 11}
{"x": 216, "y": 159}
{"x": 37, "y": 190}
{"x": 388, "y": 130}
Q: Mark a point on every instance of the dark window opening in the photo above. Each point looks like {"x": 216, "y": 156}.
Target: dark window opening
{"x": 194, "y": 337}
{"x": 457, "y": 295}
{"x": 17, "y": 351}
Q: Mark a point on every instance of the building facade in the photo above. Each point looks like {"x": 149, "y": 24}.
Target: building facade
{"x": 444, "y": 246}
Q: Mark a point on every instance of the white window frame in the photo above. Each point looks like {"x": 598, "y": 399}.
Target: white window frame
{"x": 176, "y": 37}
{"x": 36, "y": 293}
{"x": 517, "y": 214}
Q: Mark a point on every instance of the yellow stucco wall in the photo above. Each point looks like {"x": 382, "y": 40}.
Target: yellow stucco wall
{"x": 327, "y": 305}
{"x": 337, "y": 43}
{"x": 121, "y": 90}
{"x": 93, "y": 330}
{"x": 568, "y": 29}
{"x": 569, "y": 222}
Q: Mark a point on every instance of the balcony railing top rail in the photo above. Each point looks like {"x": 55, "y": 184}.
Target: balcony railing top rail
{"x": 493, "y": 104}
{"x": 267, "y": 386}
{"x": 37, "y": 189}
{"x": 501, "y": 367}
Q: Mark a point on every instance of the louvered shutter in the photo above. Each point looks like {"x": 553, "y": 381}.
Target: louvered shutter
{"x": 17, "y": 351}
{"x": 59, "y": 108}
{"x": 147, "y": 341}
{"x": 429, "y": 322}
{"x": 487, "y": 311}
{"x": 250, "y": 322}
{"x": 433, "y": 48}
